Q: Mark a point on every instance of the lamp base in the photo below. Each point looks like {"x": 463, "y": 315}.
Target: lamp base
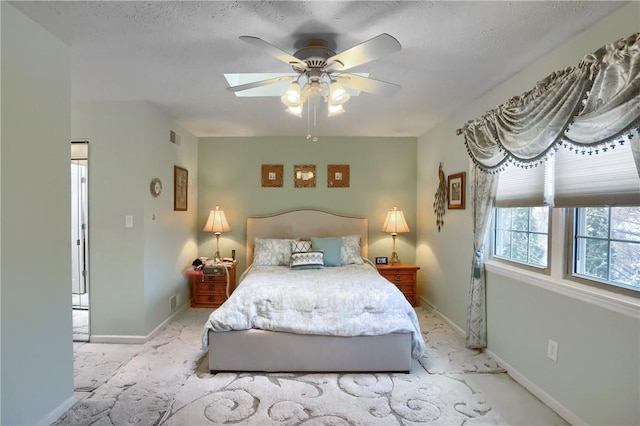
{"x": 394, "y": 257}
{"x": 216, "y": 256}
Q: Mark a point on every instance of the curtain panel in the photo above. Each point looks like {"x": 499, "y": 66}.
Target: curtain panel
{"x": 588, "y": 108}
{"x": 483, "y": 186}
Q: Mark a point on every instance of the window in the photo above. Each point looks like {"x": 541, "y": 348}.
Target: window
{"x": 606, "y": 245}
{"x": 522, "y": 235}
{"x": 594, "y": 244}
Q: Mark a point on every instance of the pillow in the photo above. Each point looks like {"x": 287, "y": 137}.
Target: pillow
{"x": 350, "y": 252}
{"x": 272, "y": 252}
{"x": 300, "y": 246}
{"x": 331, "y": 248}
{"x": 307, "y": 260}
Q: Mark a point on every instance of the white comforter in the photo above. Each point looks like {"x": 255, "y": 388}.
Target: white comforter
{"x": 352, "y": 300}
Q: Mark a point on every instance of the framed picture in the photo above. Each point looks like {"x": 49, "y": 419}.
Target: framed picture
{"x": 180, "y": 188}
{"x": 456, "y": 190}
{"x": 272, "y": 175}
{"x": 304, "y": 176}
{"x": 338, "y": 175}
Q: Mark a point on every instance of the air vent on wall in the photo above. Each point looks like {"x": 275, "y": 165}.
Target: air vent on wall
{"x": 174, "y": 137}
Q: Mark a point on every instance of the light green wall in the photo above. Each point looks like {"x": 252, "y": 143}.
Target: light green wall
{"x": 134, "y": 271}
{"x": 598, "y": 370}
{"x": 596, "y": 379}
{"x": 382, "y": 174}
{"x": 36, "y": 218}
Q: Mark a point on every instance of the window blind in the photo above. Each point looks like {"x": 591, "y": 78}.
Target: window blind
{"x": 605, "y": 179}
{"x": 519, "y": 187}
{"x": 570, "y": 179}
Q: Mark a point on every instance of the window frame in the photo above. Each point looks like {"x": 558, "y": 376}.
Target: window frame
{"x": 570, "y": 252}
{"x": 522, "y": 265}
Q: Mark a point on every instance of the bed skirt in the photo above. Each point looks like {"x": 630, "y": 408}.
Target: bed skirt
{"x": 268, "y": 351}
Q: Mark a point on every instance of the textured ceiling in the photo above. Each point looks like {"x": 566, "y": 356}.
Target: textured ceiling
{"x": 174, "y": 54}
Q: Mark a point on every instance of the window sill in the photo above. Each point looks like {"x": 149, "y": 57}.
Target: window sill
{"x": 622, "y": 304}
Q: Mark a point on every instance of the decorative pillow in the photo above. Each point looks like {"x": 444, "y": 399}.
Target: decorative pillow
{"x": 272, "y": 252}
{"x": 331, "y": 248}
{"x": 300, "y": 246}
{"x": 350, "y": 252}
{"x": 307, "y": 260}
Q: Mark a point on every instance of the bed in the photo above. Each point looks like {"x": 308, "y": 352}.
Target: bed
{"x": 287, "y": 342}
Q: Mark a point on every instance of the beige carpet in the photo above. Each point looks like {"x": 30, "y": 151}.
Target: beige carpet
{"x": 167, "y": 382}
{"x": 446, "y": 352}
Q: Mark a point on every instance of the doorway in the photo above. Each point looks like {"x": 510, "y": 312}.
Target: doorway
{"x": 80, "y": 240}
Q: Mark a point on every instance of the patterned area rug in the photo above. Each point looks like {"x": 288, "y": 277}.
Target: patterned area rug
{"x": 168, "y": 382}
{"x": 446, "y": 352}
{"x": 93, "y": 369}
{"x": 328, "y": 399}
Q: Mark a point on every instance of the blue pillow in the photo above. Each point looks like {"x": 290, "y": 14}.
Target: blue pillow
{"x": 332, "y": 249}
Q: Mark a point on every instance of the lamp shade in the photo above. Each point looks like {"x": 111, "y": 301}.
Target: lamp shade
{"x": 395, "y": 222}
{"x": 216, "y": 222}
{"x": 337, "y": 94}
{"x": 293, "y": 96}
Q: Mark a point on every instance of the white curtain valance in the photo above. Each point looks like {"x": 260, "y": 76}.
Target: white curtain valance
{"x": 588, "y": 108}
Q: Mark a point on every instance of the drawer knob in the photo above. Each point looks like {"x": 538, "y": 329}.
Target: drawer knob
{"x": 398, "y": 277}
{"x": 211, "y": 287}
{"x": 210, "y": 298}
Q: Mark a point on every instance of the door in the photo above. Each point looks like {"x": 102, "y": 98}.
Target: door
{"x": 79, "y": 239}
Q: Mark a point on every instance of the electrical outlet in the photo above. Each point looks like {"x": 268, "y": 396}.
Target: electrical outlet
{"x": 552, "y": 350}
{"x": 173, "y": 301}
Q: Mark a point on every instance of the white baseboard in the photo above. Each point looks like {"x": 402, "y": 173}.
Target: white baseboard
{"x": 550, "y": 401}
{"x": 54, "y": 415}
{"x": 431, "y": 307}
{"x": 114, "y": 338}
{"x": 108, "y": 338}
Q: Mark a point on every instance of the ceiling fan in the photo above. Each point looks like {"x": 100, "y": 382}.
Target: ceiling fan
{"x": 320, "y": 73}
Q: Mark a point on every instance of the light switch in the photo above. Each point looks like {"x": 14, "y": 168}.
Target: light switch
{"x": 128, "y": 221}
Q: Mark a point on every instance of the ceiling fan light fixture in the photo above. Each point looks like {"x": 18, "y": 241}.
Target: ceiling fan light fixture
{"x": 295, "y": 110}
{"x": 292, "y": 97}
{"x": 337, "y": 94}
{"x": 335, "y": 110}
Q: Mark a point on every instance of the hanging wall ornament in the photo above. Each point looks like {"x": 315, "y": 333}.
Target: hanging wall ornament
{"x": 440, "y": 201}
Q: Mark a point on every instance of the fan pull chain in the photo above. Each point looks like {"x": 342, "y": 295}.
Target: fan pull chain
{"x": 315, "y": 116}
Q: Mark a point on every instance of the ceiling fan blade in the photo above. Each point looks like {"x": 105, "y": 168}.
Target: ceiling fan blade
{"x": 274, "y": 51}
{"x": 374, "y": 48}
{"x": 253, "y": 85}
{"x": 366, "y": 84}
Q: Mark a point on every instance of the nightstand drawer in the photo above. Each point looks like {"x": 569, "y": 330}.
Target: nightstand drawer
{"x": 400, "y": 276}
{"x": 215, "y": 278}
{"x": 406, "y": 288}
{"x": 214, "y": 300}
{"x": 210, "y": 287}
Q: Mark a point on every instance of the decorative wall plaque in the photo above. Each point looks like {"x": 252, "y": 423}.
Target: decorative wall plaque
{"x": 304, "y": 176}
{"x": 272, "y": 175}
{"x": 338, "y": 175}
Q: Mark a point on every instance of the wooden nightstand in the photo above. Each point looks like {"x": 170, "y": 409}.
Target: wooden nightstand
{"x": 404, "y": 276}
{"x": 210, "y": 290}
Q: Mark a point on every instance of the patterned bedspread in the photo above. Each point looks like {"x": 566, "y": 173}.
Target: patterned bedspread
{"x": 351, "y": 300}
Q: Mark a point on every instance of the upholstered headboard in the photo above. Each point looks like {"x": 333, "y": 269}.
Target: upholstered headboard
{"x": 305, "y": 224}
